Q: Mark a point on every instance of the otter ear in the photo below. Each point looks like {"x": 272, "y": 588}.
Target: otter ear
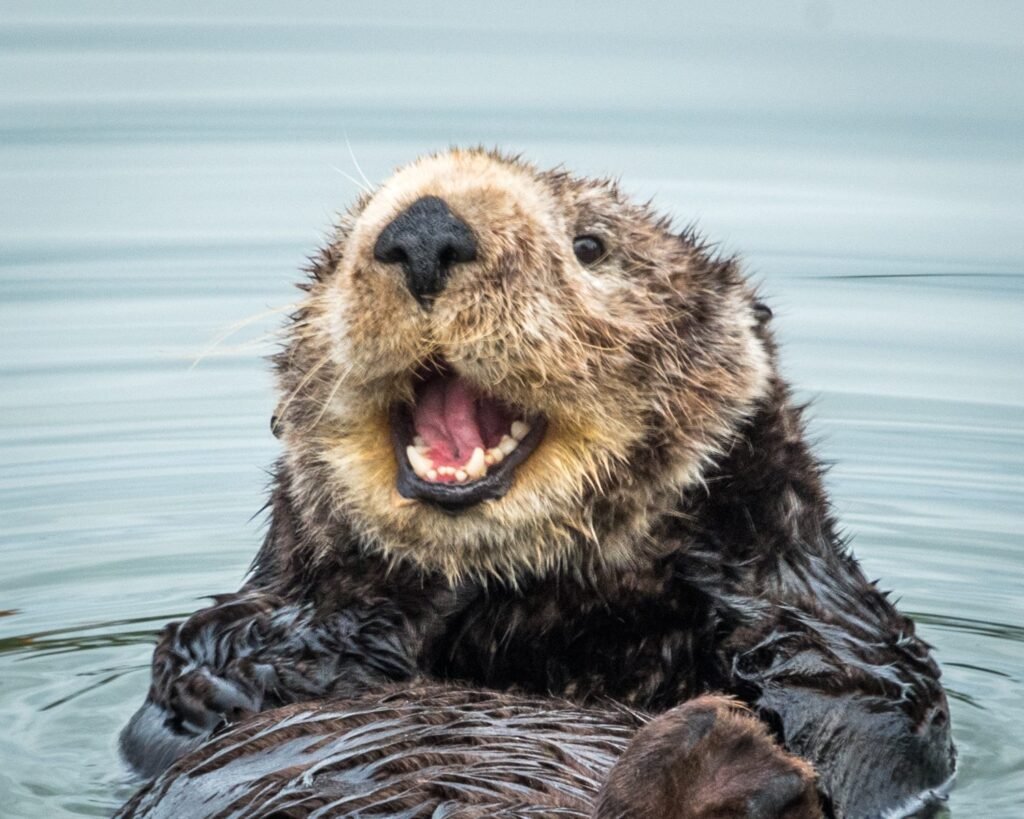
{"x": 762, "y": 312}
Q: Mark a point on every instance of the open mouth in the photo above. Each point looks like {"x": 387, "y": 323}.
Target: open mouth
{"x": 456, "y": 446}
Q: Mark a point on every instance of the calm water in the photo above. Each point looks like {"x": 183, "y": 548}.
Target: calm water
{"x": 164, "y": 172}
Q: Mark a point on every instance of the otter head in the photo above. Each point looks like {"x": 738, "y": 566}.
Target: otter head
{"x": 498, "y": 370}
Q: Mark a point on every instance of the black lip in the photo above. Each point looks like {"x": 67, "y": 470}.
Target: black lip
{"x": 453, "y": 497}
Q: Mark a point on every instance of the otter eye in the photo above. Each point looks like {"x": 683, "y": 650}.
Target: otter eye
{"x": 588, "y": 249}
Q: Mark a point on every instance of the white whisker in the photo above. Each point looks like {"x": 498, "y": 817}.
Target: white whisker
{"x": 359, "y": 169}
{"x": 352, "y": 179}
{"x": 235, "y": 327}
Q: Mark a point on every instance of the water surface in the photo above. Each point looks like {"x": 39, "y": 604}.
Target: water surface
{"x": 165, "y": 172}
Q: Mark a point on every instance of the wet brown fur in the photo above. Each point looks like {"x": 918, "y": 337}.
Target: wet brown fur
{"x": 708, "y": 759}
{"x": 432, "y": 751}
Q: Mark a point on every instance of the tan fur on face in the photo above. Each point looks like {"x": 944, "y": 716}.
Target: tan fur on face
{"x": 644, "y": 364}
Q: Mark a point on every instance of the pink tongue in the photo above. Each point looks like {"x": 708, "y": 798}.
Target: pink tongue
{"x": 445, "y": 417}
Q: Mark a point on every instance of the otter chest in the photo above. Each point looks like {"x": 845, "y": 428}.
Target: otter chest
{"x": 633, "y": 643}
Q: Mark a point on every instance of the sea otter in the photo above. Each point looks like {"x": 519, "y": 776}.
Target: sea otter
{"x": 410, "y": 750}
{"x": 535, "y": 440}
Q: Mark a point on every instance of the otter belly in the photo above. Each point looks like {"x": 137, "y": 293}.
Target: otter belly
{"x": 438, "y": 751}
{"x": 398, "y": 753}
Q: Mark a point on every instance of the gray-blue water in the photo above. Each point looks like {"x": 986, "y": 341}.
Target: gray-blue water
{"x": 164, "y": 168}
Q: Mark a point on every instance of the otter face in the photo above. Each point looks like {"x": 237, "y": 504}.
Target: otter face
{"x": 499, "y": 370}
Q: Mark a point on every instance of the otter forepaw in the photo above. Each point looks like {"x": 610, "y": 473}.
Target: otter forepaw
{"x": 708, "y": 758}
{"x": 201, "y": 701}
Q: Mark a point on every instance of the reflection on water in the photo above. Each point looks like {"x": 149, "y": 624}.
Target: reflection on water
{"x": 164, "y": 177}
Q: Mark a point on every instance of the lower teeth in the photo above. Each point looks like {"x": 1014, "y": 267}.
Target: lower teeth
{"x": 475, "y": 466}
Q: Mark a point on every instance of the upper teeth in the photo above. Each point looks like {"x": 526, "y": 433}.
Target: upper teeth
{"x": 475, "y": 466}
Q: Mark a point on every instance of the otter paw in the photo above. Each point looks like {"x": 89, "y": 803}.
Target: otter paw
{"x": 201, "y": 701}
{"x": 708, "y": 758}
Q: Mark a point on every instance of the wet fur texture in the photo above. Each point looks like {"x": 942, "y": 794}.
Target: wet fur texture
{"x": 707, "y": 759}
{"x": 669, "y": 537}
{"x": 423, "y": 750}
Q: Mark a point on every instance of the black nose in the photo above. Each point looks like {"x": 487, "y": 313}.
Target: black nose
{"x": 427, "y": 239}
